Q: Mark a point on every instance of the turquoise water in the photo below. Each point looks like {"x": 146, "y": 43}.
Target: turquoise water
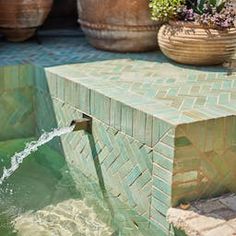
{"x": 40, "y": 198}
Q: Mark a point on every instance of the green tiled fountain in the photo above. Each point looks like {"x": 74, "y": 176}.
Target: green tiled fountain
{"x": 162, "y": 134}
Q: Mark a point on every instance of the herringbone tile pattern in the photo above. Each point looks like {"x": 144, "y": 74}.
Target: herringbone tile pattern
{"x": 161, "y": 132}
{"x": 127, "y": 166}
{"x": 125, "y": 163}
{"x": 176, "y": 95}
{"x": 59, "y": 51}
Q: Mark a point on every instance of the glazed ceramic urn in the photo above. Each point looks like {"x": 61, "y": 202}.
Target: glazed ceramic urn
{"x": 19, "y": 19}
{"x": 118, "y": 25}
{"x": 193, "y": 44}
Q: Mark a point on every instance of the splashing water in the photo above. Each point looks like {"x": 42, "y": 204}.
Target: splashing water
{"x": 18, "y": 158}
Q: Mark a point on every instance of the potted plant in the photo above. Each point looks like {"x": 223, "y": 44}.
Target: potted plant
{"x": 19, "y": 19}
{"x": 118, "y": 25}
{"x": 197, "y": 32}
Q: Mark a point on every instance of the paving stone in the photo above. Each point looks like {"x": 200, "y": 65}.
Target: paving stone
{"x": 225, "y": 213}
{"x": 229, "y": 202}
{"x": 223, "y": 230}
{"x": 209, "y": 206}
{"x": 232, "y": 223}
{"x": 206, "y": 218}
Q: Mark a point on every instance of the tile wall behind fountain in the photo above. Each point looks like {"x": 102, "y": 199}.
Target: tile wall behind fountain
{"x": 16, "y": 107}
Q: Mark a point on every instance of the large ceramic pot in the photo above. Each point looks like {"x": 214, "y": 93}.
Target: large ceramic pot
{"x": 193, "y": 44}
{"x": 118, "y": 25}
{"x": 19, "y": 19}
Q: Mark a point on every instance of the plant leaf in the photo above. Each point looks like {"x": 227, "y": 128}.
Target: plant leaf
{"x": 220, "y": 6}
{"x": 195, "y": 7}
{"x": 201, "y": 4}
{"x": 213, "y": 2}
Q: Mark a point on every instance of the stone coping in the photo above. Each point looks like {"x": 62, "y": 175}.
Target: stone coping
{"x": 175, "y": 95}
{"x": 216, "y": 216}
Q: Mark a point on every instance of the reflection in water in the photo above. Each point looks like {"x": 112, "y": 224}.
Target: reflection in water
{"x": 41, "y": 199}
{"x": 69, "y": 218}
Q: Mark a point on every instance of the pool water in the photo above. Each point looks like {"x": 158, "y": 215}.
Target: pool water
{"x": 41, "y": 198}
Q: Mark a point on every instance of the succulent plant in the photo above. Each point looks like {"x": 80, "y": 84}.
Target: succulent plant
{"x": 202, "y": 6}
{"x": 163, "y": 10}
{"x": 213, "y": 13}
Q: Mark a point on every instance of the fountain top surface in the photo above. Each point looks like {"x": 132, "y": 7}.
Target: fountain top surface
{"x": 147, "y": 82}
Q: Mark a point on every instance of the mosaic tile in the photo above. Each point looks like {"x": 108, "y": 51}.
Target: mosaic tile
{"x": 162, "y": 133}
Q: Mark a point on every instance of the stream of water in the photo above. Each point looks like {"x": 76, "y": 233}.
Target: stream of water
{"x": 42, "y": 198}
{"x": 33, "y": 146}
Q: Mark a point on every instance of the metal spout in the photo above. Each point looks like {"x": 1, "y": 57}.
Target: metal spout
{"x": 82, "y": 124}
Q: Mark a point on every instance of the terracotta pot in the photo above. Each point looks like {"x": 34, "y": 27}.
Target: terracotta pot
{"x": 118, "y": 25}
{"x": 193, "y": 44}
{"x": 19, "y": 19}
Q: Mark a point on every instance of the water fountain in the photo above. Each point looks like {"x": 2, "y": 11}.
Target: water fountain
{"x": 18, "y": 158}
